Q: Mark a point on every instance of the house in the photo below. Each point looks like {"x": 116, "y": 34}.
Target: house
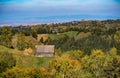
{"x": 44, "y": 50}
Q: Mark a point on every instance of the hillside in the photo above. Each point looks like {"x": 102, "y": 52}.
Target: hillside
{"x": 83, "y": 49}
{"x": 25, "y": 60}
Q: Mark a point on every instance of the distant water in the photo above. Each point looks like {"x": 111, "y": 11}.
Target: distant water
{"x": 25, "y": 20}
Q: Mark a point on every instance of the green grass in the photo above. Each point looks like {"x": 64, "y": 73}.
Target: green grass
{"x": 24, "y": 61}
{"x": 32, "y": 61}
{"x": 82, "y": 35}
{"x": 5, "y": 49}
{"x": 70, "y": 34}
{"x": 41, "y": 61}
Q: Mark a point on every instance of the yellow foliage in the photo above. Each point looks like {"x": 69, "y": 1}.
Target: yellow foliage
{"x": 97, "y": 53}
{"x": 113, "y": 51}
{"x": 64, "y": 66}
{"x": 15, "y": 72}
{"x": 43, "y": 71}
{"x": 80, "y": 53}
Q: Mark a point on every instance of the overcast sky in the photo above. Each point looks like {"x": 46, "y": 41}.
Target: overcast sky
{"x": 59, "y": 7}
{"x": 28, "y": 11}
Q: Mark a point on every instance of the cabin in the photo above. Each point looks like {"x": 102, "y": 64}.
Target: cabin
{"x": 44, "y": 50}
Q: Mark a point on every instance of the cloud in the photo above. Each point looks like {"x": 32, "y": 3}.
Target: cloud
{"x": 54, "y": 3}
{"x": 61, "y": 6}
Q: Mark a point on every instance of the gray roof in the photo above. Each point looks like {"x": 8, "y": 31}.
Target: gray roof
{"x": 45, "y": 48}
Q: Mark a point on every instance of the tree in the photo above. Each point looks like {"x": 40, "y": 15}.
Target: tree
{"x": 6, "y": 61}
{"x": 65, "y": 67}
{"x": 6, "y": 37}
{"x": 34, "y": 33}
{"x": 42, "y": 40}
{"x": 16, "y": 72}
{"x": 112, "y": 70}
{"x": 48, "y": 41}
{"x": 20, "y": 41}
{"x": 113, "y": 51}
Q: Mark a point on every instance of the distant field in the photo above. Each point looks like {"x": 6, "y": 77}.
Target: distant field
{"x": 70, "y": 34}
{"x": 82, "y": 35}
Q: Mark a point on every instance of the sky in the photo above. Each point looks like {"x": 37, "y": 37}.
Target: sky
{"x": 34, "y": 8}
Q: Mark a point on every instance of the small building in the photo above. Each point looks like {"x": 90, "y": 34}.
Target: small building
{"x": 44, "y": 50}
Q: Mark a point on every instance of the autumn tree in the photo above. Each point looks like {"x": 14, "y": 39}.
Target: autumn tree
{"x": 6, "y": 37}
{"x": 16, "y": 72}
{"x": 48, "y": 41}
{"x": 6, "y": 61}
{"x": 93, "y": 65}
{"x": 34, "y": 33}
{"x": 41, "y": 40}
{"x": 65, "y": 67}
{"x": 112, "y": 70}
{"x": 113, "y": 51}
{"x": 20, "y": 41}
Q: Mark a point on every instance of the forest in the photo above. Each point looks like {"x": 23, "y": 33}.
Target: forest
{"x": 83, "y": 49}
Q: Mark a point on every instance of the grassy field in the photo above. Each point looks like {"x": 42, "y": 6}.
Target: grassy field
{"x": 32, "y": 61}
{"x": 5, "y": 49}
{"x": 24, "y": 61}
{"x": 70, "y": 34}
{"x": 82, "y": 35}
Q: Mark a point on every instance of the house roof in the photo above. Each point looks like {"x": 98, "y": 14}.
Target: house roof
{"x": 45, "y": 48}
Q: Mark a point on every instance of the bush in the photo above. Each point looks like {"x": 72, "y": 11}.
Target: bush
{"x": 6, "y": 61}
{"x": 26, "y": 73}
